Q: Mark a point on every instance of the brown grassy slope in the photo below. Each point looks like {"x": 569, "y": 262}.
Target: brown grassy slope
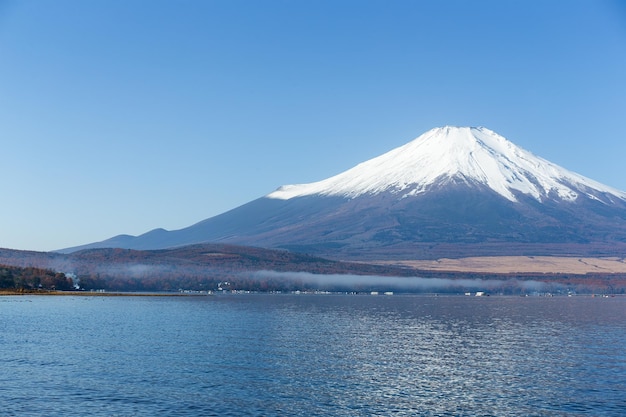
{"x": 518, "y": 264}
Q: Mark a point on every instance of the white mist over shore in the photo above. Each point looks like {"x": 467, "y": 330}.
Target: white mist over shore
{"x": 408, "y": 284}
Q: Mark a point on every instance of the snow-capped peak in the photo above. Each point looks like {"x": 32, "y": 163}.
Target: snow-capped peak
{"x": 444, "y": 154}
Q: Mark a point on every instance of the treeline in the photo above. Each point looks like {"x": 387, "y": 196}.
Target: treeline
{"x": 201, "y": 279}
{"x": 29, "y": 278}
{"x": 512, "y": 284}
{"x": 509, "y": 284}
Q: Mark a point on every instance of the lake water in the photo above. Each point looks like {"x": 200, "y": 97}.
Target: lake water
{"x": 312, "y": 355}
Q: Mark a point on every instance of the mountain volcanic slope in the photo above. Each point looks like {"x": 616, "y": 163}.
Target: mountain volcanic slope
{"x": 452, "y": 192}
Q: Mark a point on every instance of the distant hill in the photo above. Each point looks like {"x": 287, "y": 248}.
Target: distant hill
{"x": 231, "y": 267}
{"x": 452, "y": 192}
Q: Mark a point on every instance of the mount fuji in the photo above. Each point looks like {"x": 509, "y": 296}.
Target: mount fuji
{"x": 451, "y": 192}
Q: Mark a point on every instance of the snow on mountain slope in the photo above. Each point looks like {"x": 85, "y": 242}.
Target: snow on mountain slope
{"x": 446, "y": 154}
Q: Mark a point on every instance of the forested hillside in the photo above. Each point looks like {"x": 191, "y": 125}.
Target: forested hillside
{"x": 16, "y": 278}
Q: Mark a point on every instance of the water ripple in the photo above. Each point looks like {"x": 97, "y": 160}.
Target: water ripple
{"x": 263, "y": 355}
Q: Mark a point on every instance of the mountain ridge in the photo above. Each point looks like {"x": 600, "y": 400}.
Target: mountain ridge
{"x": 464, "y": 188}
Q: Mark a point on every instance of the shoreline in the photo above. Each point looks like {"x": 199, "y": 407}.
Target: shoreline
{"x": 5, "y": 292}
{"x": 547, "y": 294}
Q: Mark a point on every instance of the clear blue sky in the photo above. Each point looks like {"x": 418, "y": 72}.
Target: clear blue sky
{"x": 123, "y": 116}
